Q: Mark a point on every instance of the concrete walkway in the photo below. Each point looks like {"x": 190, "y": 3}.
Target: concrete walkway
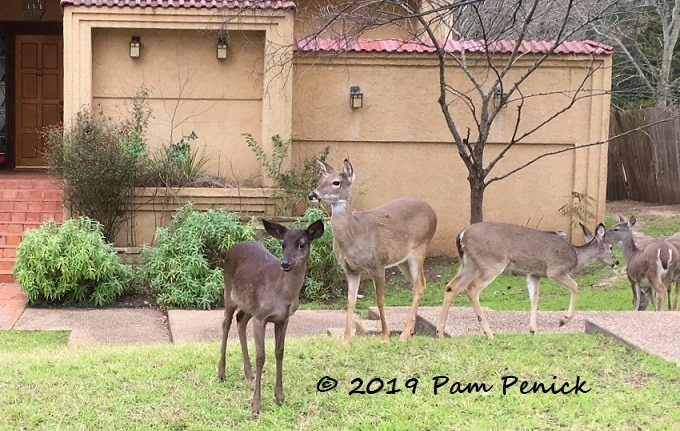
{"x": 657, "y": 333}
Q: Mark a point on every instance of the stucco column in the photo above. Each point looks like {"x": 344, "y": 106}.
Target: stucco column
{"x": 277, "y": 97}
{"x": 77, "y": 63}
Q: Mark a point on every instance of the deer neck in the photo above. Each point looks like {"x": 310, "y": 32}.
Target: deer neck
{"x": 586, "y": 253}
{"x": 293, "y": 281}
{"x": 628, "y": 248}
{"x": 342, "y": 220}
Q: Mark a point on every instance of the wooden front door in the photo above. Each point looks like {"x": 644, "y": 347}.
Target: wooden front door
{"x": 39, "y": 94}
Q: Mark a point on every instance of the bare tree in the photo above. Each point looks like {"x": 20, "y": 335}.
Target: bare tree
{"x": 645, "y": 34}
{"x": 499, "y": 31}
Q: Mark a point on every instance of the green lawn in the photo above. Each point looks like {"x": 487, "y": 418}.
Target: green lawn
{"x": 47, "y": 386}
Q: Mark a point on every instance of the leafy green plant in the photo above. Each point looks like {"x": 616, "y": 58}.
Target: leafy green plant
{"x": 184, "y": 270}
{"x": 325, "y": 278}
{"x": 295, "y": 184}
{"x": 177, "y": 165}
{"x": 71, "y": 263}
{"x": 580, "y": 207}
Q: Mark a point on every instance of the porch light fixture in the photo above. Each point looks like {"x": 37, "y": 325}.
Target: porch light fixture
{"x": 356, "y": 97}
{"x": 33, "y": 9}
{"x": 222, "y": 48}
{"x": 135, "y": 46}
{"x": 498, "y": 97}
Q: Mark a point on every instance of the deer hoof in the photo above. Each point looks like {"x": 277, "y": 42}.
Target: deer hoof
{"x": 220, "y": 379}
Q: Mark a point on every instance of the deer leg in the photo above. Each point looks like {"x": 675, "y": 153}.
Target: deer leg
{"x": 379, "y": 282}
{"x": 417, "y": 276}
{"x": 658, "y": 290}
{"x": 533, "y": 288}
{"x": 279, "y": 339}
{"x": 353, "y": 280}
{"x": 637, "y": 296}
{"x": 242, "y": 319}
{"x": 461, "y": 281}
{"x": 677, "y": 292}
{"x": 568, "y": 282}
{"x": 226, "y": 324}
{"x": 258, "y": 331}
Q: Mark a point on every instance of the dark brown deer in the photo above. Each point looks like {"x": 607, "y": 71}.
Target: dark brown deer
{"x": 487, "y": 249}
{"x": 258, "y": 285}
{"x": 394, "y": 234}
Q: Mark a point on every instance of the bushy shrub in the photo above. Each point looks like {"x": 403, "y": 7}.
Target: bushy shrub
{"x": 295, "y": 183}
{"x": 71, "y": 263}
{"x": 97, "y": 173}
{"x": 325, "y": 278}
{"x": 184, "y": 269}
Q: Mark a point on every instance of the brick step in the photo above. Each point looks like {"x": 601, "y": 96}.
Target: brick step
{"x": 8, "y": 251}
{"x": 44, "y": 183}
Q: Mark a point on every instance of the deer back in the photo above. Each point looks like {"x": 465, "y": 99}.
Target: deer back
{"x": 384, "y": 235}
{"x": 522, "y": 249}
{"x": 658, "y": 259}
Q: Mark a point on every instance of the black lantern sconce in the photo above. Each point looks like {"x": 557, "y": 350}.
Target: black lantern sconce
{"x": 33, "y": 9}
{"x": 135, "y": 47}
{"x": 498, "y": 97}
{"x": 222, "y": 46}
{"x": 356, "y": 97}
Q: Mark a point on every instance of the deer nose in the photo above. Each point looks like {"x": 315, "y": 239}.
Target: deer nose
{"x": 286, "y": 265}
{"x": 313, "y": 196}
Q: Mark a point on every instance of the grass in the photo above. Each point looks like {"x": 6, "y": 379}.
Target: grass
{"x": 175, "y": 388}
{"x": 600, "y": 288}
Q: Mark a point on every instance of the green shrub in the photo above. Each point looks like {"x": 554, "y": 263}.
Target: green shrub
{"x": 71, "y": 263}
{"x": 97, "y": 173}
{"x": 325, "y": 278}
{"x": 184, "y": 269}
{"x": 295, "y": 184}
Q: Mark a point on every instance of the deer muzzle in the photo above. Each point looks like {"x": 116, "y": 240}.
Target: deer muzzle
{"x": 286, "y": 265}
{"x": 313, "y": 197}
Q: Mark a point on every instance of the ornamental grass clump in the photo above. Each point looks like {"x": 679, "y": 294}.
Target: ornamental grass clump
{"x": 184, "y": 268}
{"x": 70, "y": 264}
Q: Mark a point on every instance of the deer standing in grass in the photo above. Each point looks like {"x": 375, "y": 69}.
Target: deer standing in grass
{"x": 394, "y": 234}
{"x": 258, "y": 285}
{"x": 650, "y": 270}
{"x": 487, "y": 249}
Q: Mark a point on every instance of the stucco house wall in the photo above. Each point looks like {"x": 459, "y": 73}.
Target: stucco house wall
{"x": 398, "y": 142}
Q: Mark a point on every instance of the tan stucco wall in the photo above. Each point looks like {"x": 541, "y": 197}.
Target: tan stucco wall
{"x": 398, "y": 142}
{"x": 400, "y": 146}
{"x": 189, "y": 89}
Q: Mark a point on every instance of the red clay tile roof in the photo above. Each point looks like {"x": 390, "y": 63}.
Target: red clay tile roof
{"x": 587, "y": 47}
{"x": 205, "y": 4}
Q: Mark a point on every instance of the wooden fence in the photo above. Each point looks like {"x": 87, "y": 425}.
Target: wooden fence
{"x": 644, "y": 165}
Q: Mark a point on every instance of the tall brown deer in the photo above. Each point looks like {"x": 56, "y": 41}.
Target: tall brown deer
{"x": 394, "y": 234}
{"x": 487, "y": 249}
{"x": 260, "y": 286}
{"x": 650, "y": 270}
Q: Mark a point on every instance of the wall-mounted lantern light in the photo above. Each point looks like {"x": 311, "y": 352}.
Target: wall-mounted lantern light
{"x": 135, "y": 46}
{"x": 356, "y": 97}
{"x": 33, "y": 9}
{"x": 222, "y": 48}
{"x": 498, "y": 97}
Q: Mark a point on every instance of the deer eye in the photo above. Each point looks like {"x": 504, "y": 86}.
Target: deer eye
{"x": 336, "y": 183}
{"x": 301, "y": 246}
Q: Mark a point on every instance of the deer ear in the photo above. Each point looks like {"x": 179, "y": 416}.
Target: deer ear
{"x": 274, "y": 229}
{"x": 621, "y": 219}
{"x": 315, "y": 230}
{"x": 588, "y": 235}
{"x": 324, "y": 167}
{"x": 632, "y": 220}
{"x": 348, "y": 170}
{"x": 600, "y": 231}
